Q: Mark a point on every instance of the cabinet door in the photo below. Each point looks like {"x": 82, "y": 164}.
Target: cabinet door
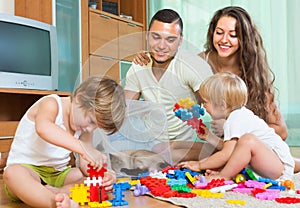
{"x": 104, "y": 66}
{"x": 130, "y": 40}
{"x": 103, "y": 35}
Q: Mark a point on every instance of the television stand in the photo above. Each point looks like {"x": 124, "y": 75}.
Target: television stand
{"x": 13, "y": 105}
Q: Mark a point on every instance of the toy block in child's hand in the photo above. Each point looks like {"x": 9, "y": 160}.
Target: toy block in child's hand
{"x": 94, "y": 173}
{"x": 187, "y": 110}
{"x": 186, "y": 103}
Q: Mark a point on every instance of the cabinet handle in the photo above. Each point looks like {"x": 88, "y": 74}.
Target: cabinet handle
{"x": 131, "y": 24}
{"x": 106, "y": 58}
{"x": 104, "y": 16}
{"x": 6, "y": 137}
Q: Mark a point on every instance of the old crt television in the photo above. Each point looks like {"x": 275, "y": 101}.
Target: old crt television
{"x": 28, "y": 54}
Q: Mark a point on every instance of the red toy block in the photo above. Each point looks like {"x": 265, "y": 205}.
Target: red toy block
{"x": 257, "y": 190}
{"x": 215, "y": 183}
{"x": 186, "y": 195}
{"x": 97, "y": 194}
{"x": 94, "y": 173}
{"x": 288, "y": 200}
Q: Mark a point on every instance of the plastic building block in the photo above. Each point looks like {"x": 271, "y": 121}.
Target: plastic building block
{"x": 169, "y": 194}
{"x": 254, "y": 184}
{"x": 268, "y": 195}
{"x": 169, "y": 169}
{"x": 288, "y": 200}
{"x": 188, "y": 111}
{"x": 224, "y": 188}
{"x": 79, "y": 194}
{"x": 267, "y": 185}
{"x": 97, "y": 194}
{"x": 179, "y": 174}
{"x": 118, "y": 192}
{"x": 267, "y": 180}
{"x": 93, "y": 181}
{"x": 250, "y": 174}
{"x": 207, "y": 193}
{"x": 94, "y": 173}
{"x": 257, "y": 191}
{"x": 238, "y": 202}
{"x": 181, "y": 188}
{"x": 215, "y": 183}
{"x": 186, "y": 102}
{"x": 243, "y": 190}
{"x": 157, "y": 174}
{"x": 97, "y": 204}
{"x": 140, "y": 190}
{"x": 190, "y": 177}
{"x": 200, "y": 185}
{"x": 186, "y": 195}
{"x": 180, "y": 181}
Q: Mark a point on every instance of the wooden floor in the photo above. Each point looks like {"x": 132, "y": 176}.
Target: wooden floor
{"x": 134, "y": 202}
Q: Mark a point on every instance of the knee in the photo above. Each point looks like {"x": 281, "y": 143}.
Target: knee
{"x": 248, "y": 139}
{"x": 10, "y": 172}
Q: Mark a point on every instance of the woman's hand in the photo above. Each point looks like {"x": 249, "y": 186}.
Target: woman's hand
{"x": 217, "y": 127}
{"x": 141, "y": 58}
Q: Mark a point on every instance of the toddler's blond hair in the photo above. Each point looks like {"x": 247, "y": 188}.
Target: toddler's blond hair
{"x": 227, "y": 87}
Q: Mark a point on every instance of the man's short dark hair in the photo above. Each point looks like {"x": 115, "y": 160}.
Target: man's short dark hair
{"x": 167, "y": 16}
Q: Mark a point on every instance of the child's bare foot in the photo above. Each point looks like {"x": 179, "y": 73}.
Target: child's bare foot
{"x": 210, "y": 177}
{"x": 63, "y": 201}
{"x": 56, "y": 190}
{"x": 211, "y": 172}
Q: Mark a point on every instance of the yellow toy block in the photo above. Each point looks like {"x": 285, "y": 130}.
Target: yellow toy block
{"x": 97, "y": 204}
{"x": 186, "y": 103}
{"x": 207, "y": 193}
{"x": 233, "y": 201}
{"x": 79, "y": 194}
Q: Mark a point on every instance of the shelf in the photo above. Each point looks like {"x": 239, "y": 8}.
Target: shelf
{"x": 33, "y": 92}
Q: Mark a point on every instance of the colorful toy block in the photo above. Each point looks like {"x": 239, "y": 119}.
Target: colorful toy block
{"x": 188, "y": 111}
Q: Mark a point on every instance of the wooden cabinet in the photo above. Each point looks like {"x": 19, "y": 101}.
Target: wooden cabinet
{"x": 13, "y": 105}
{"x": 103, "y": 35}
{"x": 108, "y": 38}
{"x": 40, "y": 10}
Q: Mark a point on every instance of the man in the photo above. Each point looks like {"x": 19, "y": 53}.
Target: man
{"x": 170, "y": 75}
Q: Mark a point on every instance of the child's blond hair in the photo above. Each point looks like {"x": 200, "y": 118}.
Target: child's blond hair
{"x": 104, "y": 97}
{"x": 225, "y": 87}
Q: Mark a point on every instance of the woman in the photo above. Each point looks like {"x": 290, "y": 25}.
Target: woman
{"x": 235, "y": 45}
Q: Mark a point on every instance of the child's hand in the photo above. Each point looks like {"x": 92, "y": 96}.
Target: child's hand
{"x": 94, "y": 157}
{"x": 108, "y": 180}
{"x": 205, "y": 134}
{"x": 192, "y": 165}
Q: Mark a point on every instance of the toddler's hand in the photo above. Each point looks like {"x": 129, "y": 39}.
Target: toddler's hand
{"x": 94, "y": 157}
{"x": 192, "y": 165}
{"x": 108, "y": 180}
{"x": 203, "y": 136}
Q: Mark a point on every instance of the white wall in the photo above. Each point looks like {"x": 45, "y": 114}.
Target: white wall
{"x": 7, "y": 6}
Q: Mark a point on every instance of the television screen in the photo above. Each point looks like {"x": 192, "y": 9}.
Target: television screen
{"x": 24, "y": 49}
{"x": 28, "y": 54}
